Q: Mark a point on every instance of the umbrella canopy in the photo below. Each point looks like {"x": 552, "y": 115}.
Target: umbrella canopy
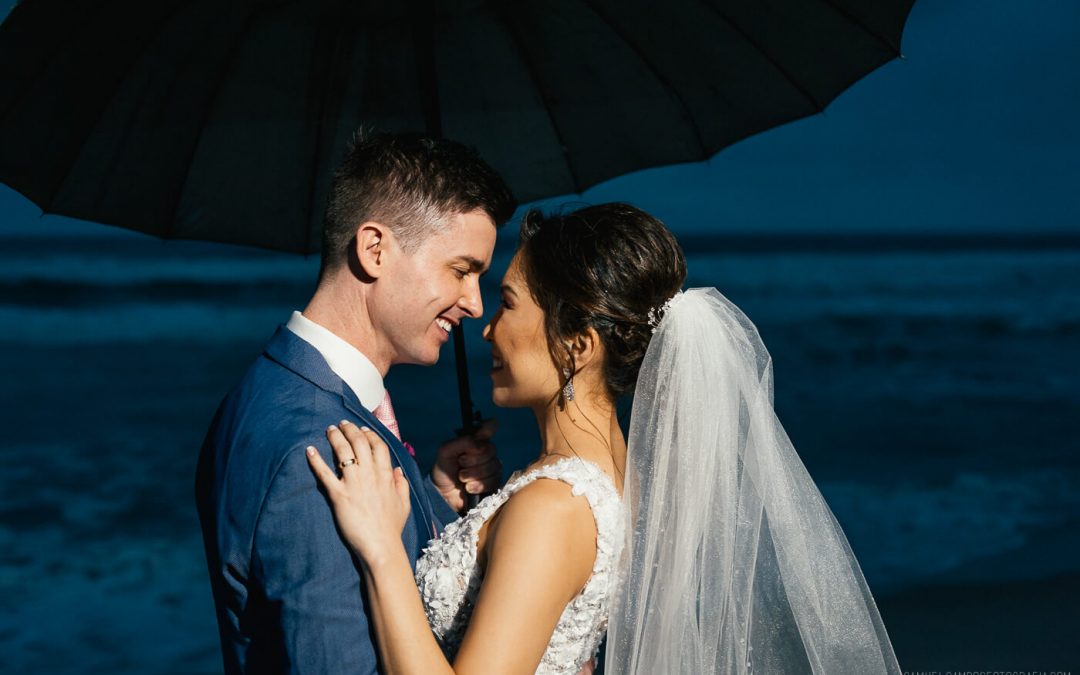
{"x": 223, "y": 121}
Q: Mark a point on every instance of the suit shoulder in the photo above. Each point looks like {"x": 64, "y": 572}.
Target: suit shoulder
{"x": 270, "y": 412}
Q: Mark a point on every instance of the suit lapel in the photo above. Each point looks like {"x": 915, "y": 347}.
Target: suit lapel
{"x": 297, "y": 355}
{"x": 401, "y": 457}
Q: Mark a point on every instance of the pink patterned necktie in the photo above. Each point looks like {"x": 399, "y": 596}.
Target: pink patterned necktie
{"x": 384, "y": 412}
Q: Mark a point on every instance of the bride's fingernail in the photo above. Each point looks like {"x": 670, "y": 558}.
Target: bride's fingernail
{"x": 331, "y": 427}
{"x": 365, "y": 428}
{"x": 311, "y": 451}
{"x": 344, "y": 422}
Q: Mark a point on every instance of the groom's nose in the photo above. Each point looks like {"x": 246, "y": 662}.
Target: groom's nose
{"x": 471, "y": 302}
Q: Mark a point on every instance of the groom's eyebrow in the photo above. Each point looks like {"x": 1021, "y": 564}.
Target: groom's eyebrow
{"x": 475, "y": 264}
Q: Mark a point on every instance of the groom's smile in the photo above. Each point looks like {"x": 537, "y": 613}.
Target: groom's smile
{"x": 445, "y": 324}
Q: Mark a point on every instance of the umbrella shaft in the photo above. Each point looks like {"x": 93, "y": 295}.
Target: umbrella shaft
{"x": 468, "y": 419}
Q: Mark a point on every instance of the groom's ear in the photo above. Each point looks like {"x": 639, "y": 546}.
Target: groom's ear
{"x": 372, "y": 241}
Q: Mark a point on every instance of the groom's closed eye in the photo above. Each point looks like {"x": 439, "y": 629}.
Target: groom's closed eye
{"x": 472, "y": 264}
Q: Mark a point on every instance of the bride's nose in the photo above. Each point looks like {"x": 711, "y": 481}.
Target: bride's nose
{"x": 487, "y": 332}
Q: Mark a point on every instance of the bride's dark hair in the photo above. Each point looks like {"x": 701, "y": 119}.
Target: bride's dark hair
{"x": 602, "y": 267}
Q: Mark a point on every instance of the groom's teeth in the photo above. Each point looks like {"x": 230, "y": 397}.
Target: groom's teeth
{"x": 444, "y": 324}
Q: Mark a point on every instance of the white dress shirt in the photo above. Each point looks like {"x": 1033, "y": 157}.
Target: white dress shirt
{"x": 347, "y": 362}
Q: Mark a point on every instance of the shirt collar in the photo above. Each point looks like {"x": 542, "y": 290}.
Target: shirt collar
{"x": 347, "y": 362}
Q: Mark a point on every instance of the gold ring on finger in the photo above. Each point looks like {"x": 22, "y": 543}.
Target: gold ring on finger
{"x": 348, "y": 462}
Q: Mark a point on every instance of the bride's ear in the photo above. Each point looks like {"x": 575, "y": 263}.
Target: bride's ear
{"x": 586, "y": 348}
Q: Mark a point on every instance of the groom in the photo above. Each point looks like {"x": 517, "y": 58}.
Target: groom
{"x": 409, "y": 228}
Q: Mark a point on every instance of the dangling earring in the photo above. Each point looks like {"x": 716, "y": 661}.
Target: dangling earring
{"x": 568, "y": 388}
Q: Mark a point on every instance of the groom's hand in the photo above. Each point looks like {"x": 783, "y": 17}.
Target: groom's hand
{"x": 467, "y": 466}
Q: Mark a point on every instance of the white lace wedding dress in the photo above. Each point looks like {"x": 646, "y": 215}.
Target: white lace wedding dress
{"x": 449, "y": 578}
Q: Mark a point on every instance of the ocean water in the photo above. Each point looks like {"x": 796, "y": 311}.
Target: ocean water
{"x": 931, "y": 386}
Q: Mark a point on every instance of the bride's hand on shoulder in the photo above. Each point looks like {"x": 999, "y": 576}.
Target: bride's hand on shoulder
{"x": 370, "y": 499}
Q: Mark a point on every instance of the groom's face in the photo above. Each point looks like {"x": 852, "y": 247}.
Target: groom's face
{"x": 435, "y": 288}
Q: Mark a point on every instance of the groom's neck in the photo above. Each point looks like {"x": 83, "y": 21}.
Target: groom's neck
{"x": 342, "y": 310}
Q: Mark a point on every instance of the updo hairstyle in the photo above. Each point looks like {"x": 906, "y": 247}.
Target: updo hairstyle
{"x": 601, "y": 267}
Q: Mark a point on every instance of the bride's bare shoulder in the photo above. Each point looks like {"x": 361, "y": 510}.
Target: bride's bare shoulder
{"x": 550, "y": 496}
{"x": 546, "y": 520}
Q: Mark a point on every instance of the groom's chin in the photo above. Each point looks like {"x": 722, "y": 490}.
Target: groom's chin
{"x": 430, "y": 356}
{"x": 420, "y": 360}
{"x": 502, "y": 399}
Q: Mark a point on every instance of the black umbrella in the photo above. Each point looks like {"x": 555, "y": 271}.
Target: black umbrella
{"x": 222, "y": 120}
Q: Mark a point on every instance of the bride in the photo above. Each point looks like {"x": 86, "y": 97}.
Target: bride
{"x": 700, "y": 543}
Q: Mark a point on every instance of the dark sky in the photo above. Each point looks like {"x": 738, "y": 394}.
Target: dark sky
{"x": 977, "y": 129}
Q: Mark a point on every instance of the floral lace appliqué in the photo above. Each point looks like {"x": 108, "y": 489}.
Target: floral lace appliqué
{"x": 449, "y": 577}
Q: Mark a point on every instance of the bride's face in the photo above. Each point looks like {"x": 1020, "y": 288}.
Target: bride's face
{"x": 522, "y": 373}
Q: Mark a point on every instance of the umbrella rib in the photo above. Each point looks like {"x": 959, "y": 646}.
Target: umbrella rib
{"x": 534, "y": 76}
{"x": 664, "y": 82}
{"x": 847, "y": 14}
{"x": 223, "y": 73}
{"x": 775, "y": 64}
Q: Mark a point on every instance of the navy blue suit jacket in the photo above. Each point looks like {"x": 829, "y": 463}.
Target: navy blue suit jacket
{"x": 287, "y": 592}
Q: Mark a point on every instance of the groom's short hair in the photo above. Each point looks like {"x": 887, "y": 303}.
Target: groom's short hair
{"x": 410, "y": 183}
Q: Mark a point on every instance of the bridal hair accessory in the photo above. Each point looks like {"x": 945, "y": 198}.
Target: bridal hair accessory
{"x": 656, "y": 314}
{"x": 568, "y": 388}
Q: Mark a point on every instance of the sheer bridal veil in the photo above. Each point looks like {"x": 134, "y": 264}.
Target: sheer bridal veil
{"x": 733, "y": 562}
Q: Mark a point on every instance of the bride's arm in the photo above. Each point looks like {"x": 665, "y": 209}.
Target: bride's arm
{"x": 540, "y": 554}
